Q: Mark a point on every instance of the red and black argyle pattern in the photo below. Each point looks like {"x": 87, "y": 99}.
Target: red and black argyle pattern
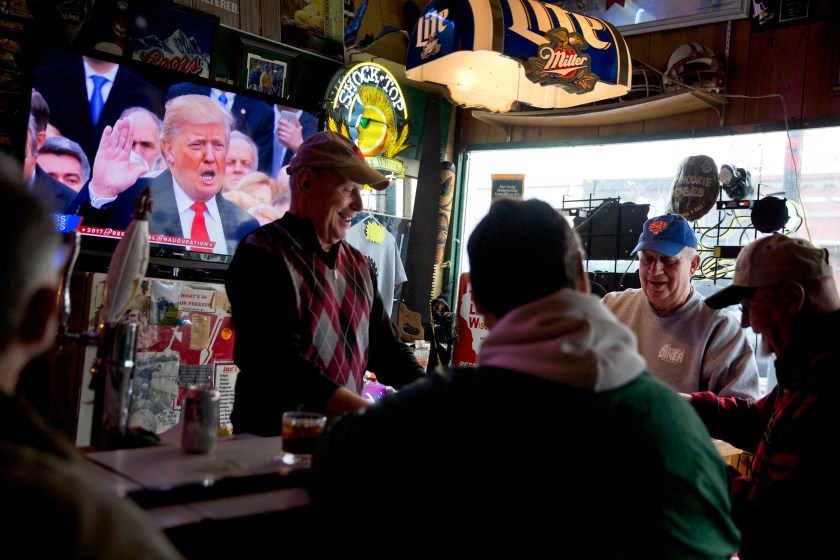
{"x": 334, "y": 308}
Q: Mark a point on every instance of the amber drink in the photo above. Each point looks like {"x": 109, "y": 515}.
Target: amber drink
{"x": 301, "y": 431}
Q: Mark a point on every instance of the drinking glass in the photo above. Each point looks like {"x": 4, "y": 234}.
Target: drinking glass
{"x": 301, "y": 431}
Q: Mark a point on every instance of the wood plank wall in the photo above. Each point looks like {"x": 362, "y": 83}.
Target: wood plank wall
{"x": 258, "y": 17}
{"x": 262, "y": 18}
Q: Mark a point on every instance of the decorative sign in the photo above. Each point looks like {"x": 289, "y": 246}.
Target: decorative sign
{"x": 772, "y": 14}
{"x": 172, "y": 38}
{"x": 471, "y": 328}
{"x": 224, "y": 379}
{"x": 528, "y": 51}
{"x": 561, "y": 62}
{"x": 365, "y": 103}
{"x": 510, "y": 186}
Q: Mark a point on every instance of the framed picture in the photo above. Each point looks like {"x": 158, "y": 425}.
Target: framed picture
{"x": 265, "y": 68}
{"x": 258, "y": 67}
{"x": 772, "y": 14}
{"x": 172, "y": 36}
{"x": 642, "y": 16}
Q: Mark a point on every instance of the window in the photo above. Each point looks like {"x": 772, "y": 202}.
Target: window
{"x": 801, "y": 166}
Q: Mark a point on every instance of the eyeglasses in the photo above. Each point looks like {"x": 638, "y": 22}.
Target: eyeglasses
{"x": 364, "y": 122}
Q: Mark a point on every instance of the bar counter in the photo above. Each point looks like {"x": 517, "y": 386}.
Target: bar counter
{"x": 209, "y": 504}
{"x": 238, "y": 497}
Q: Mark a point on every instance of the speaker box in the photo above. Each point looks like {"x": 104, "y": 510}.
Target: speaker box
{"x": 611, "y": 230}
{"x": 601, "y": 283}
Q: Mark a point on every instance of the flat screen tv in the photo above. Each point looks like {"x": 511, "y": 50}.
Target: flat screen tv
{"x": 59, "y": 76}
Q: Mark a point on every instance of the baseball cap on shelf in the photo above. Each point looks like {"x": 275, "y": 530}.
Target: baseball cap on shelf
{"x": 667, "y": 234}
{"x": 330, "y": 150}
{"x": 770, "y": 261}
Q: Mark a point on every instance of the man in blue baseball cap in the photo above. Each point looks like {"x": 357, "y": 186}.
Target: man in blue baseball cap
{"x": 686, "y": 344}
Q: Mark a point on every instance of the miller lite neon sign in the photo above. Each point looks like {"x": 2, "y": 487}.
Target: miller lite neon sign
{"x": 493, "y": 53}
{"x": 561, "y": 62}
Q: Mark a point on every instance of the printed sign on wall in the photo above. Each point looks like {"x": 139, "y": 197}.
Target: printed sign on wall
{"x": 471, "y": 328}
{"x": 510, "y": 186}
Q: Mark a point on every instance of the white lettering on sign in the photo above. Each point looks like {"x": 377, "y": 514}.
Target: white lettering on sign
{"x": 226, "y": 5}
{"x": 431, "y": 24}
{"x": 560, "y": 61}
{"x": 534, "y": 29}
{"x": 588, "y": 27}
{"x": 369, "y": 74}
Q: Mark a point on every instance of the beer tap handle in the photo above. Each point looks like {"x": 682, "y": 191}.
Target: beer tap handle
{"x": 129, "y": 262}
{"x": 73, "y": 244}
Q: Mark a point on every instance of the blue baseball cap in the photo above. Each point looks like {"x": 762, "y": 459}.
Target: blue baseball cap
{"x": 667, "y": 234}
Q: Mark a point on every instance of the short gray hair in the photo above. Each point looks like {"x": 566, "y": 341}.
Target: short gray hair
{"x": 242, "y": 136}
{"x": 63, "y": 146}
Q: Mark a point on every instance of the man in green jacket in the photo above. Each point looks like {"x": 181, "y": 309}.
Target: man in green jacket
{"x": 559, "y": 440}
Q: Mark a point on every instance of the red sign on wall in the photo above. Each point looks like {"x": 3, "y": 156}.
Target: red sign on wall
{"x": 471, "y": 327}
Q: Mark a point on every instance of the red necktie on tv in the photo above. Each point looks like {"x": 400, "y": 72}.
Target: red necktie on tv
{"x": 199, "y": 228}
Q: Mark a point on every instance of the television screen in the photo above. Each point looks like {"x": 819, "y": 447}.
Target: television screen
{"x": 251, "y": 187}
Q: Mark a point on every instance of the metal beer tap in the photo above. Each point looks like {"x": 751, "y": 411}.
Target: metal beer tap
{"x": 116, "y": 340}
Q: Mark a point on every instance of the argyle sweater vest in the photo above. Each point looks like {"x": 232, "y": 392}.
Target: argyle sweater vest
{"x": 333, "y": 306}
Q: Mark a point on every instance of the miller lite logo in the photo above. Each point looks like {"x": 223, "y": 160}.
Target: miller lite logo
{"x": 657, "y": 227}
{"x": 433, "y": 22}
{"x": 432, "y": 48}
{"x": 561, "y": 62}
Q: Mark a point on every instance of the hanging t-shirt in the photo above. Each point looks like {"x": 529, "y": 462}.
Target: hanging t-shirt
{"x": 385, "y": 258}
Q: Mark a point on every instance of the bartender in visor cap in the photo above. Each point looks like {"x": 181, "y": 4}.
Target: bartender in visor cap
{"x": 309, "y": 319}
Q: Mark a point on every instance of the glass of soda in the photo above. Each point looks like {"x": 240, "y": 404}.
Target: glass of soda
{"x": 301, "y": 431}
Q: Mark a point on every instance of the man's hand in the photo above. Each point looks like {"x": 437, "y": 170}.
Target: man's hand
{"x": 290, "y": 134}
{"x": 344, "y": 401}
{"x": 113, "y": 170}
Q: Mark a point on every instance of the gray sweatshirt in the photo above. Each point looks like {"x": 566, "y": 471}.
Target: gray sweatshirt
{"x": 694, "y": 349}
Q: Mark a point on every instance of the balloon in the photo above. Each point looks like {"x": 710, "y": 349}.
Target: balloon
{"x": 696, "y": 188}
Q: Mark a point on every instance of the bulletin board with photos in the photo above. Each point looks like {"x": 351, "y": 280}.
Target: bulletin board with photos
{"x": 185, "y": 339}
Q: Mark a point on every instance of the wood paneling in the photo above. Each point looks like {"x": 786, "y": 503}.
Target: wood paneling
{"x": 821, "y": 92}
{"x": 227, "y": 10}
{"x": 267, "y": 21}
{"x": 736, "y": 62}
